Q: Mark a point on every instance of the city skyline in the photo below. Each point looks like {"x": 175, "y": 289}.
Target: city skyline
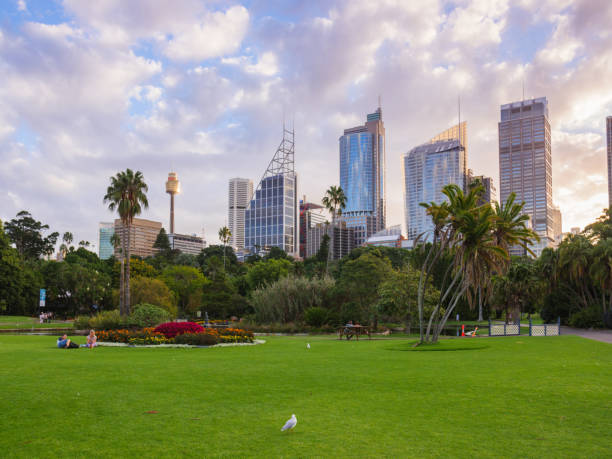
{"x": 201, "y": 90}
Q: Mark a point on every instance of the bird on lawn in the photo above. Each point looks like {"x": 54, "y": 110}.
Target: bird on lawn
{"x": 307, "y": 345}
{"x": 290, "y": 424}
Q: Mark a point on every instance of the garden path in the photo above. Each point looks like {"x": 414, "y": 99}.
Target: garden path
{"x": 604, "y": 336}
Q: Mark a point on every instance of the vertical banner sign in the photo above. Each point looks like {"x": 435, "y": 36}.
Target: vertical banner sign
{"x": 43, "y": 297}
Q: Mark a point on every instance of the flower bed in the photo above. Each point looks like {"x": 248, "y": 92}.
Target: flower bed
{"x": 203, "y": 337}
{"x": 171, "y": 329}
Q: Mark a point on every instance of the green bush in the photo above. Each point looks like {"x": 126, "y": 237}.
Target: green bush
{"x": 591, "y": 317}
{"x": 107, "y": 320}
{"x": 148, "y": 315}
{"x": 196, "y": 339}
{"x": 81, "y": 323}
{"x": 315, "y": 316}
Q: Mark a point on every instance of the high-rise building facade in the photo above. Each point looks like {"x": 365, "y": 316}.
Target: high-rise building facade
{"x": 490, "y": 193}
{"x": 143, "y": 234}
{"x": 271, "y": 218}
{"x": 105, "y": 246}
{"x": 362, "y": 176}
{"x": 186, "y": 243}
{"x": 525, "y": 164}
{"x": 311, "y": 214}
{"x": 240, "y": 193}
{"x": 343, "y": 239}
{"x": 609, "y": 145}
{"x": 427, "y": 169}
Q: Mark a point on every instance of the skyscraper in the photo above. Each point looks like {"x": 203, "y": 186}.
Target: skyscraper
{"x": 310, "y": 215}
{"x": 143, "y": 234}
{"x": 609, "y": 144}
{"x": 362, "y": 176}
{"x": 271, "y": 218}
{"x": 427, "y": 169}
{"x": 525, "y": 164}
{"x": 240, "y": 192}
{"x": 105, "y": 247}
{"x": 490, "y": 193}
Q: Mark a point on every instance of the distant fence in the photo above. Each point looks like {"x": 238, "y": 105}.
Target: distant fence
{"x": 503, "y": 329}
{"x": 545, "y": 329}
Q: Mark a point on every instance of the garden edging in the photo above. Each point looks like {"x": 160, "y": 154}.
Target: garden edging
{"x": 110, "y": 344}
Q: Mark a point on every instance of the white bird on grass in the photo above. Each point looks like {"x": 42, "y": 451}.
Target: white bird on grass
{"x": 290, "y": 424}
{"x": 307, "y": 345}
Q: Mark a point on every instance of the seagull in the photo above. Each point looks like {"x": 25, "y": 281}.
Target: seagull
{"x": 290, "y": 424}
{"x": 307, "y": 345}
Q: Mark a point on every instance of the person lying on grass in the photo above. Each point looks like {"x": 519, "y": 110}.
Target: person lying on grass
{"x": 63, "y": 342}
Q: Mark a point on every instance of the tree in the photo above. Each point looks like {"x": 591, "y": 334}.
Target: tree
{"x": 186, "y": 282}
{"x": 232, "y": 265}
{"x": 477, "y": 239}
{"x": 12, "y": 279}
{"x": 126, "y": 194}
{"x": 360, "y": 280}
{"x": 334, "y": 201}
{"x": 162, "y": 242}
{"x": 220, "y": 298}
{"x": 27, "y": 235}
{"x": 276, "y": 253}
{"x": 153, "y": 291}
{"x": 224, "y": 236}
{"x": 267, "y": 271}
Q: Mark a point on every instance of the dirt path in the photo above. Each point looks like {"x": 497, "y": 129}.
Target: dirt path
{"x": 604, "y": 336}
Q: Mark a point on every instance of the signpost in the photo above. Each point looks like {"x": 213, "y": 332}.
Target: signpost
{"x": 43, "y": 297}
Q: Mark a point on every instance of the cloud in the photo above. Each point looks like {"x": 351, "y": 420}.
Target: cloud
{"x": 202, "y": 88}
{"x": 216, "y": 35}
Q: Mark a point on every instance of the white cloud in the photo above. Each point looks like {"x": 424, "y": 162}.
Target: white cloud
{"x": 21, "y": 5}
{"x": 217, "y": 35}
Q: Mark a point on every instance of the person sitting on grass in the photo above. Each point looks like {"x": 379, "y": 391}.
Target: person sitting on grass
{"x": 63, "y": 342}
{"x": 92, "y": 340}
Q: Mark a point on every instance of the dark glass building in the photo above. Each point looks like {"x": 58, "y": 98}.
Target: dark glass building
{"x": 362, "y": 176}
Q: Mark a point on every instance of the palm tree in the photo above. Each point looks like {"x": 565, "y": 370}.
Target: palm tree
{"x": 601, "y": 270}
{"x": 511, "y": 225}
{"x": 126, "y": 194}
{"x": 464, "y": 228}
{"x": 224, "y": 236}
{"x": 334, "y": 201}
{"x": 115, "y": 240}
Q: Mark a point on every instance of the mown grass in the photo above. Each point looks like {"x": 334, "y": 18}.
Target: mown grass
{"x": 24, "y": 322}
{"x": 481, "y": 397}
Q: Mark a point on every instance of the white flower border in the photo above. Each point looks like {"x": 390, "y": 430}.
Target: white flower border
{"x": 109, "y": 344}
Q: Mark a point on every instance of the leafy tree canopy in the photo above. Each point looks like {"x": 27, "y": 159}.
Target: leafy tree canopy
{"x": 27, "y": 235}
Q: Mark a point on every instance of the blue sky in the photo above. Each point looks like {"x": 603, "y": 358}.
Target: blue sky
{"x": 91, "y": 88}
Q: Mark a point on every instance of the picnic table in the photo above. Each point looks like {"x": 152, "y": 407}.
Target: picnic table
{"x": 353, "y": 331}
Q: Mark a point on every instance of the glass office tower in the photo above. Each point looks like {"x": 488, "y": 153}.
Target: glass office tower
{"x": 105, "y": 247}
{"x": 525, "y": 164}
{"x": 271, "y": 217}
{"x": 362, "y": 176}
{"x": 427, "y": 169}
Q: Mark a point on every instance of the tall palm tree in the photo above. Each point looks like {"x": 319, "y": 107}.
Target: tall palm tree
{"x": 224, "y": 236}
{"x": 335, "y": 202}
{"x": 511, "y": 225}
{"x": 115, "y": 240}
{"x": 127, "y": 195}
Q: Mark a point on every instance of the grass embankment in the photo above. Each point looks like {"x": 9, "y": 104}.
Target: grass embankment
{"x": 24, "y": 322}
{"x": 481, "y": 397}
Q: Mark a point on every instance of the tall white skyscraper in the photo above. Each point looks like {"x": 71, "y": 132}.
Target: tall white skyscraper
{"x": 240, "y": 193}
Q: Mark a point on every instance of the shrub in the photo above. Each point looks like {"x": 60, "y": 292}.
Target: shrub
{"x": 172, "y": 329}
{"x": 150, "y": 340}
{"x": 107, "y": 320}
{"x": 315, "y": 316}
{"x": 153, "y": 291}
{"x": 197, "y": 339}
{"x": 590, "y": 317}
{"x": 81, "y": 323}
{"x": 148, "y": 315}
{"x": 286, "y": 299}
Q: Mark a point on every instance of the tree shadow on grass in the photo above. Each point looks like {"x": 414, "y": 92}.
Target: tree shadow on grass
{"x": 434, "y": 348}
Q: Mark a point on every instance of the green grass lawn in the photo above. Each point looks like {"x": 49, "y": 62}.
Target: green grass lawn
{"x": 24, "y": 322}
{"x": 481, "y": 397}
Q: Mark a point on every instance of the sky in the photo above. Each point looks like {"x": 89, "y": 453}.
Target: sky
{"x": 201, "y": 88}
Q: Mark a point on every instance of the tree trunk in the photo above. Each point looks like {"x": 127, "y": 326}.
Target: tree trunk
{"x": 447, "y": 314}
{"x": 127, "y": 274}
{"x": 480, "y": 304}
{"x": 121, "y": 286}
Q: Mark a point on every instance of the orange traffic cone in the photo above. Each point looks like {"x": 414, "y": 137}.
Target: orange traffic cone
{"x": 463, "y": 330}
